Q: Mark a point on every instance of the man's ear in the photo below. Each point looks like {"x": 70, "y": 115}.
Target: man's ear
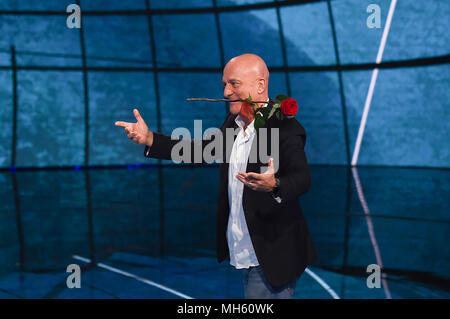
{"x": 261, "y": 86}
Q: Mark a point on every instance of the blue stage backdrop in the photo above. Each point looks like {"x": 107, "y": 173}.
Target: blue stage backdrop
{"x": 62, "y": 89}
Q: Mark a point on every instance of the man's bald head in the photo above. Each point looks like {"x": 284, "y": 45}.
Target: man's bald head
{"x": 245, "y": 75}
{"x": 250, "y": 64}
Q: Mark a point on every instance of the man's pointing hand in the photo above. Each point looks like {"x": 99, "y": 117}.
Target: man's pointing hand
{"x": 137, "y": 132}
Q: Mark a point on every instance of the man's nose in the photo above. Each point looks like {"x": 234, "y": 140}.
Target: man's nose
{"x": 227, "y": 92}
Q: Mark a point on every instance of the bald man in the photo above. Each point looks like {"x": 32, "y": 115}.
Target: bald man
{"x": 260, "y": 225}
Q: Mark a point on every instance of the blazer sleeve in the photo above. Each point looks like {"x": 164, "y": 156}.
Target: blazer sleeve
{"x": 295, "y": 178}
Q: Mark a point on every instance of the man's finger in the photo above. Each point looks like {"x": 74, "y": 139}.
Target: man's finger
{"x": 242, "y": 175}
{"x": 270, "y": 169}
{"x": 138, "y": 116}
{"x": 123, "y": 124}
{"x": 245, "y": 182}
{"x": 254, "y": 176}
{"x": 253, "y": 185}
{"x": 242, "y": 179}
{"x": 245, "y": 175}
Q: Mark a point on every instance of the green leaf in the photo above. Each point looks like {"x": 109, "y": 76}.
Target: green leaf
{"x": 279, "y": 115}
{"x": 259, "y": 122}
{"x": 282, "y": 97}
{"x": 272, "y": 111}
{"x": 264, "y": 111}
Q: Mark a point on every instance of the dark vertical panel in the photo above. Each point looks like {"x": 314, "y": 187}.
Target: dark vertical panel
{"x": 341, "y": 87}
{"x": 86, "y": 144}
{"x": 18, "y": 221}
{"x": 347, "y": 226}
{"x": 14, "y": 128}
{"x": 283, "y": 50}
{"x": 158, "y": 117}
{"x": 90, "y": 216}
{"x": 219, "y": 36}
{"x": 347, "y": 148}
{"x": 86, "y": 95}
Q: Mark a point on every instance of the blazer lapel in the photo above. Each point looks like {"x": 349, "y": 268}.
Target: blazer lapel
{"x": 254, "y": 167}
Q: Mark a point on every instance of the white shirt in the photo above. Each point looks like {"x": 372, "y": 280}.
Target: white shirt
{"x": 242, "y": 254}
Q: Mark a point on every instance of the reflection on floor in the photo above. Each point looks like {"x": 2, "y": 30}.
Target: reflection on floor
{"x": 150, "y": 233}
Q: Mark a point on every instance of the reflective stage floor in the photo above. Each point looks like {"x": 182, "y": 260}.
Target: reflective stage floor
{"x": 150, "y": 233}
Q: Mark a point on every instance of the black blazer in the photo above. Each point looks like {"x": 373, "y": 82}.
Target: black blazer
{"x": 278, "y": 231}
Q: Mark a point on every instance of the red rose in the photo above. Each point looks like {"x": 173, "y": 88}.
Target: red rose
{"x": 289, "y": 107}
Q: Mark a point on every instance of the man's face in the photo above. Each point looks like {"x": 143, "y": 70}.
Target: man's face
{"x": 238, "y": 83}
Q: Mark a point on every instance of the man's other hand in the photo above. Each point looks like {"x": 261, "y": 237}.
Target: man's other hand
{"x": 137, "y": 132}
{"x": 259, "y": 182}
